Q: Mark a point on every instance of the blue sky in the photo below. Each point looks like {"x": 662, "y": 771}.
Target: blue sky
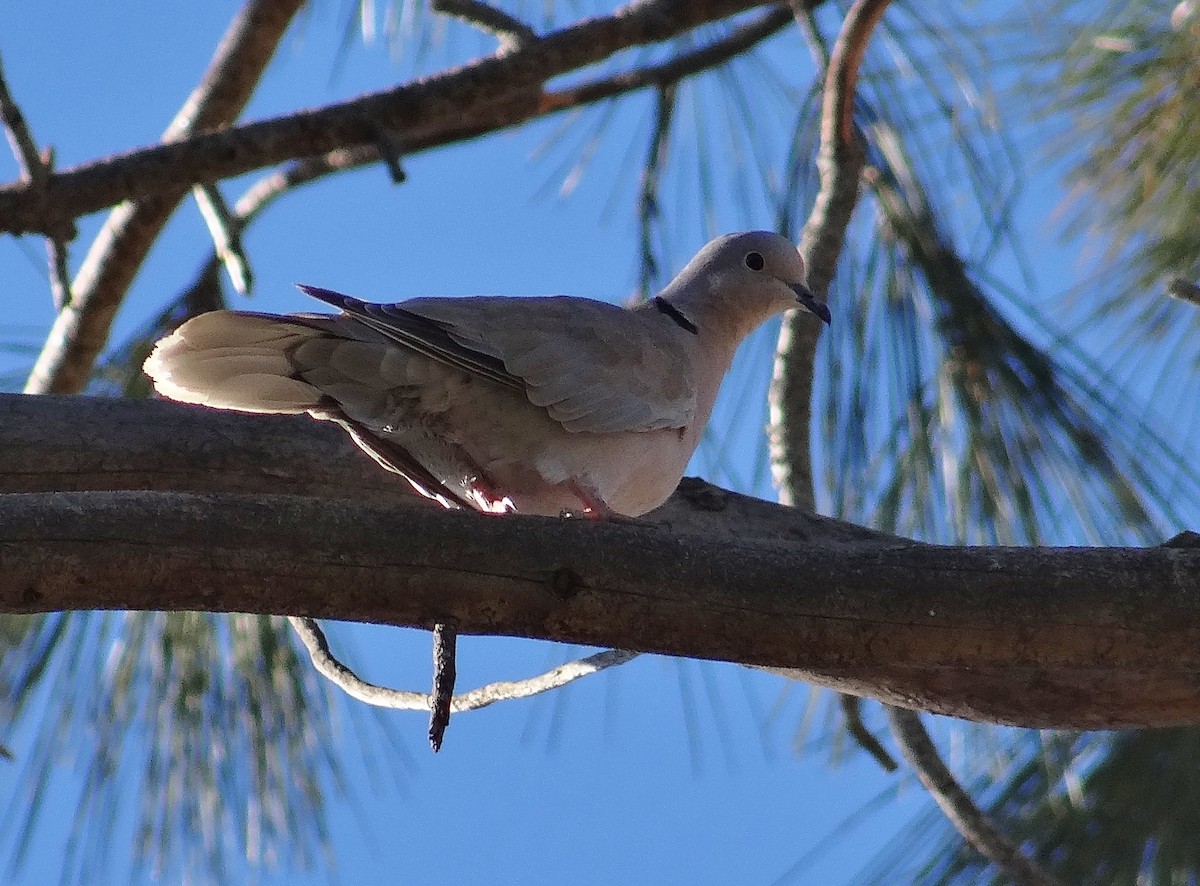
{"x": 666, "y": 771}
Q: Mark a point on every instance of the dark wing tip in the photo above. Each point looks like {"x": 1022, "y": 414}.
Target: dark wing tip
{"x": 337, "y": 299}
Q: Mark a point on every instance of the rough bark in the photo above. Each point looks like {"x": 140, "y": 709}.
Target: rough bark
{"x": 1063, "y": 637}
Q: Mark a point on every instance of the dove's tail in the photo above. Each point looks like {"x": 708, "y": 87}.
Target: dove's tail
{"x": 233, "y": 360}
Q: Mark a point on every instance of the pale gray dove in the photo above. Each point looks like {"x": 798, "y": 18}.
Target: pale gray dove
{"x": 540, "y": 405}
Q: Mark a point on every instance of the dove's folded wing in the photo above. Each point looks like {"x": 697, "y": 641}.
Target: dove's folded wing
{"x": 593, "y": 366}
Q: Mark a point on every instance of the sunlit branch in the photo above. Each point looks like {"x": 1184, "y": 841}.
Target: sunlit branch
{"x": 400, "y": 699}
{"x": 225, "y": 229}
{"x": 839, "y": 162}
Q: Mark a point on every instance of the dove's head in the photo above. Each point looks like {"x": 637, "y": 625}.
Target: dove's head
{"x": 741, "y": 280}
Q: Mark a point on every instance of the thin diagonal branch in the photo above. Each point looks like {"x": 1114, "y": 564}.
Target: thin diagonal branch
{"x": 839, "y": 162}
{"x": 508, "y": 29}
{"x": 35, "y": 169}
{"x": 225, "y": 229}
{"x": 852, "y": 711}
{"x": 648, "y": 207}
{"x": 970, "y": 821}
{"x": 327, "y": 665}
{"x": 24, "y": 148}
{"x": 81, "y": 327}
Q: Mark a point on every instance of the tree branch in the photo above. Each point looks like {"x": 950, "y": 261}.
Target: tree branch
{"x": 410, "y": 111}
{"x": 331, "y": 668}
{"x": 508, "y": 29}
{"x": 81, "y": 328}
{"x": 29, "y": 161}
{"x": 1087, "y": 638}
{"x": 970, "y": 821}
{"x": 445, "y": 672}
{"x": 852, "y": 712}
{"x": 840, "y": 163}
{"x": 35, "y": 168}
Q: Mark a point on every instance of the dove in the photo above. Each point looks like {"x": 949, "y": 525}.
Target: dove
{"x": 552, "y": 405}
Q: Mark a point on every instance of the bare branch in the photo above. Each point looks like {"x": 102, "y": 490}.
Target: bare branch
{"x": 656, "y": 158}
{"x": 445, "y": 672}
{"x": 1087, "y": 638}
{"x": 33, "y": 170}
{"x": 970, "y": 821}
{"x": 81, "y": 328}
{"x": 852, "y": 711}
{"x": 435, "y": 104}
{"x": 839, "y": 162}
{"x": 59, "y": 257}
{"x": 225, "y": 229}
{"x": 328, "y": 666}
{"x": 510, "y": 30}
{"x": 684, "y": 65}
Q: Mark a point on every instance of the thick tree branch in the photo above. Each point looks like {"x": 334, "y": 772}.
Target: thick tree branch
{"x": 1086, "y": 638}
{"x": 968, "y": 819}
{"x": 81, "y": 327}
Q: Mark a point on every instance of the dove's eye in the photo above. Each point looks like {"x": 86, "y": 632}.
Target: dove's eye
{"x": 754, "y": 261}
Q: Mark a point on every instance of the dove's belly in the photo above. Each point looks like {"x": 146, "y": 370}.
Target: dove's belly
{"x": 538, "y": 465}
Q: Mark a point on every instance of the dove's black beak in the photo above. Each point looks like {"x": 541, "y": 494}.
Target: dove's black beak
{"x": 810, "y": 303}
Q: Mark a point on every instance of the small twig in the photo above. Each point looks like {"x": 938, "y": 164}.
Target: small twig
{"x": 444, "y": 673}
{"x": 970, "y": 821}
{"x": 852, "y": 711}
{"x": 508, "y": 29}
{"x": 225, "y": 228}
{"x": 656, "y": 158}
{"x": 29, "y": 161}
{"x": 1184, "y": 290}
{"x": 391, "y": 154}
{"x": 681, "y": 66}
{"x": 313, "y": 637}
{"x": 36, "y": 168}
{"x": 59, "y": 258}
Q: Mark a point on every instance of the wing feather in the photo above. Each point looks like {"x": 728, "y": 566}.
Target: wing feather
{"x": 593, "y": 366}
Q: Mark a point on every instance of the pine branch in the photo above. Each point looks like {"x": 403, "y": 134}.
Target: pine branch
{"x": 404, "y": 700}
{"x": 968, "y": 819}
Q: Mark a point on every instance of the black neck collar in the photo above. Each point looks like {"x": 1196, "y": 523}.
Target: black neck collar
{"x": 674, "y": 313}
